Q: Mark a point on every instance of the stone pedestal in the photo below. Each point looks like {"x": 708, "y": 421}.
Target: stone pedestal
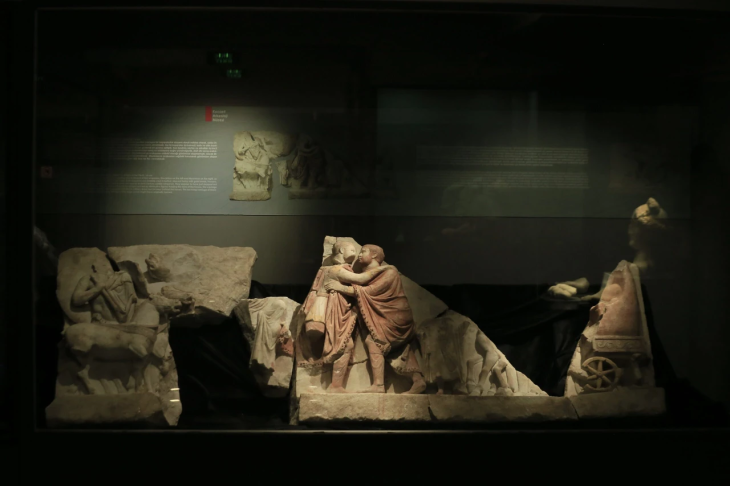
{"x": 141, "y": 409}
{"x": 319, "y": 409}
{"x": 623, "y": 402}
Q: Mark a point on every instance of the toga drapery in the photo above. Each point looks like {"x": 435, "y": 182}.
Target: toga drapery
{"x": 386, "y": 314}
{"x": 332, "y": 309}
{"x": 267, "y": 320}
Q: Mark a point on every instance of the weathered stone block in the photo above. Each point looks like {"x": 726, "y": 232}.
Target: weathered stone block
{"x": 79, "y": 410}
{"x": 203, "y": 282}
{"x": 365, "y": 407}
{"x": 384, "y": 408}
{"x": 622, "y": 402}
{"x": 456, "y": 408}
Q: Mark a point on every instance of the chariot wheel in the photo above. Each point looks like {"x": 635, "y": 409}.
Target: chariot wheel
{"x": 603, "y": 374}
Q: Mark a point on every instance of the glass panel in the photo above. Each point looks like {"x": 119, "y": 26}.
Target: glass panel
{"x": 545, "y": 184}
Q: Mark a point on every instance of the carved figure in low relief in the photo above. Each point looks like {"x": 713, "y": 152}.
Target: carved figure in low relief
{"x": 461, "y": 360}
{"x": 647, "y": 236}
{"x": 309, "y": 166}
{"x": 252, "y": 172}
{"x": 614, "y": 349}
{"x": 386, "y": 318}
{"x": 122, "y": 329}
{"x": 330, "y": 317}
{"x": 110, "y": 294}
{"x": 272, "y": 336}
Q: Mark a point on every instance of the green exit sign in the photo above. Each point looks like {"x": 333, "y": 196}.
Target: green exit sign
{"x": 234, "y": 73}
{"x": 223, "y": 58}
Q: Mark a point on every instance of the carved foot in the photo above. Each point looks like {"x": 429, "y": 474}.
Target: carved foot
{"x": 419, "y": 386}
{"x": 374, "y": 389}
{"x": 337, "y": 389}
{"x": 460, "y": 389}
{"x": 504, "y": 392}
{"x": 474, "y": 390}
{"x": 440, "y": 392}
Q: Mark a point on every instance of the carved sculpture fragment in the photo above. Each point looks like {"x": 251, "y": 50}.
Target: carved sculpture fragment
{"x": 459, "y": 359}
{"x": 305, "y": 167}
{"x": 115, "y": 343}
{"x": 444, "y": 347}
{"x": 614, "y": 350}
{"x": 314, "y": 172}
{"x": 194, "y": 284}
{"x": 252, "y": 171}
{"x": 269, "y": 326}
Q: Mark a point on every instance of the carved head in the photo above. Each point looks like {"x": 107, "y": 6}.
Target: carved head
{"x": 345, "y": 250}
{"x": 157, "y": 270}
{"x": 648, "y": 225}
{"x": 368, "y": 253}
{"x": 105, "y": 273}
{"x": 153, "y": 262}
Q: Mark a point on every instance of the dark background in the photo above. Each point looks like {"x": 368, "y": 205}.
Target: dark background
{"x": 638, "y": 61}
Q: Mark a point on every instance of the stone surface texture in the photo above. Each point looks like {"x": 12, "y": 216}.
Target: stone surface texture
{"x": 455, "y": 408}
{"x": 455, "y": 353}
{"x": 622, "y": 402}
{"x": 363, "y": 407}
{"x": 269, "y": 326}
{"x": 197, "y": 284}
{"x": 392, "y": 408}
{"x": 115, "y": 363}
{"x": 84, "y": 410}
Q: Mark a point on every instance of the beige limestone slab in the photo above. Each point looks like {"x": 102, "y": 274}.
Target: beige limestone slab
{"x": 622, "y": 402}
{"x": 459, "y": 408}
{"x": 363, "y": 407}
{"x": 133, "y": 408}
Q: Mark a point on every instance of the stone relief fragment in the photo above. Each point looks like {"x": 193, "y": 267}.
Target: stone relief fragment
{"x": 614, "y": 350}
{"x": 358, "y": 311}
{"x": 252, "y": 171}
{"x": 194, "y": 284}
{"x": 115, "y": 363}
{"x": 269, "y": 325}
{"x": 306, "y": 168}
{"x": 460, "y": 359}
{"x": 315, "y": 173}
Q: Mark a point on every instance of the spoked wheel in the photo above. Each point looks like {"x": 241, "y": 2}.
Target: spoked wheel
{"x": 603, "y": 374}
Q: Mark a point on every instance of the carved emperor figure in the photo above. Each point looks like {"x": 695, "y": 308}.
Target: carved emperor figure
{"x": 330, "y": 318}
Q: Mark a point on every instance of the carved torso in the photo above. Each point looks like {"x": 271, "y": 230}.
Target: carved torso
{"x": 101, "y": 307}
{"x": 319, "y": 307}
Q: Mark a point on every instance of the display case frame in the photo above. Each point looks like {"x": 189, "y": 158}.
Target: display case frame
{"x": 695, "y": 445}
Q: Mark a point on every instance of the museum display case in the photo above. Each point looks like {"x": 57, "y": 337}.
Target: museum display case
{"x": 413, "y": 219}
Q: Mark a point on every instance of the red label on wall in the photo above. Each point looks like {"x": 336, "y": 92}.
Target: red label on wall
{"x": 209, "y": 113}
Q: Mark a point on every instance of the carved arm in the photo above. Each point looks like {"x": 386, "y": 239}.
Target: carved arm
{"x": 361, "y": 278}
{"x": 338, "y": 287}
{"x": 84, "y": 291}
